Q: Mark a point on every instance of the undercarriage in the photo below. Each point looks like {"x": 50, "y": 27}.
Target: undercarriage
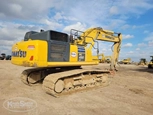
{"x": 65, "y": 80}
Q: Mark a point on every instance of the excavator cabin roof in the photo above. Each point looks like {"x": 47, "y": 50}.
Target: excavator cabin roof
{"x": 46, "y": 35}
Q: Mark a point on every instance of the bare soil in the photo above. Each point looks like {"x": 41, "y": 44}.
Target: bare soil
{"x": 129, "y": 93}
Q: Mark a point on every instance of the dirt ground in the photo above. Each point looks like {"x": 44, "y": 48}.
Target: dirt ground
{"x": 129, "y": 93}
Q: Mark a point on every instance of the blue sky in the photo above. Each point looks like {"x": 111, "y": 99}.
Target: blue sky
{"x": 132, "y": 18}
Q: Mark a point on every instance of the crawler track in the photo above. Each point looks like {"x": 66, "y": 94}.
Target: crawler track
{"x": 63, "y": 81}
{"x": 75, "y": 80}
{"x": 32, "y": 76}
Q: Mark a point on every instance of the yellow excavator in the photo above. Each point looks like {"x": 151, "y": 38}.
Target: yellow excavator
{"x": 101, "y": 58}
{"x": 108, "y": 59}
{"x": 126, "y": 61}
{"x": 143, "y": 62}
{"x": 57, "y": 58}
{"x": 150, "y": 65}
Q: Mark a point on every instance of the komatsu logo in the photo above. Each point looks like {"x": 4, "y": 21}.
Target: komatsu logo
{"x": 19, "y": 53}
{"x": 109, "y": 37}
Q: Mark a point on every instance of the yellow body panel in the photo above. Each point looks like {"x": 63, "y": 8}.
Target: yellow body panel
{"x": 36, "y": 55}
{"x": 61, "y": 64}
{"x": 88, "y": 55}
{"x": 95, "y": 58}
{"x": 30, "y": 53}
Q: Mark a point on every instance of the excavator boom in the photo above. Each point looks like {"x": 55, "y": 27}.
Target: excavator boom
{"x": 91, "y": 36}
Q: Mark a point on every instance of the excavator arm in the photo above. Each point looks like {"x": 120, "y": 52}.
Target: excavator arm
{"x": 91, "y": 36}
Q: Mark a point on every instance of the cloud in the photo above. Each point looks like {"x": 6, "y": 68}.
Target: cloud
{"x": 115, "y": 23}
{"x": 78, "y": 26}
{"x": 10, "y": 31}
{"x": 20, "y": 10}
{"x": 130, "y": 52}
{"x": 142, "y": 45}
{"x": 6, "y": 43}
{"x": 104, "y": 50}
{"x": 95, "y": 12}
{"x": 130, "y": 7}
{"x": 137, "y": 49}
{"x": 149, "y": 37}
{"x": 36, "y": 10}
{"x": 128, "y": 36}
{"x": 146, "y": 32}
{"x": 150, "y": 43}
{"x": 114, "y": 10}
{"x": 140, "y": 26}
{"x": 6, "y": 50}
{"x": 136, "y": 6}
{"x": 60, "y": 16}
{"x": 126, "y": 26}
{"x": 50, "y": 24}
{"x": 128, "y": 45}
